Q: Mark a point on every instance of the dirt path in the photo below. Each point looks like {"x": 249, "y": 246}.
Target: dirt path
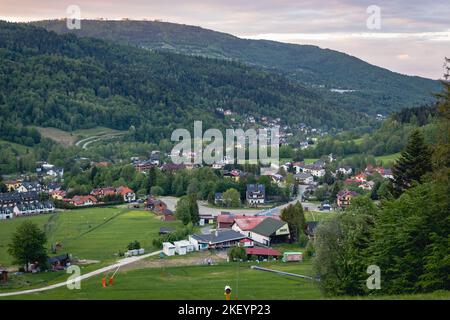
{"x": 121, "y": 263}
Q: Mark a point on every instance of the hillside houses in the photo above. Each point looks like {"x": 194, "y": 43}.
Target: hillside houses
{"x": 13, "y": 204}
{"x": 216, "y": 240}
{"x": 30, "y": 186}
{"x": 304, "y": 178}
{"x": 255, "y": 194}
{"x": 344, "y": 197}
{"x": 82, "y": 201}
{"x": 126, "y": 193}
{"x": 45, "y": 169}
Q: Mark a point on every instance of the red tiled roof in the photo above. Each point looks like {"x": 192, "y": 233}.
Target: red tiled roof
{"x": 77, "y": 200}
{"x": 248, "y": 223}
{"x": 124, "y": 190}
{"x": 262, "y": 251}
{"x": 227, "y": 218}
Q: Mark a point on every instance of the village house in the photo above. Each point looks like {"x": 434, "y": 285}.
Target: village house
{"x": 315, "y": 170}
{"x": 346, "y": 170}
{"x": 226, "y": 220}
{"x": 368, "y": 185}
{"x": 47, "y": 169}
{"x": 218, "y": 200}
{"x": 10, "y": 199}
{"x": 270, "y": 231}
{"x": 344, "y": 197}
{"x": 216, "y": 240}
{"x": 30, "y": 186}
{"x": 143, "y": 166}
{"x": 127, "y": 194}
{"x": 82, "y": 201}
{"x": 58, "y": 194}
{"x": 234, "y": 174}
{"x": 304, "y": 178}
{"x": 6, "y": 213}
{"x": 244, "y": 225}
{"x": 12, "y": 185}
{"x": 256, "y": 194}
{"x": 32, "y": 208}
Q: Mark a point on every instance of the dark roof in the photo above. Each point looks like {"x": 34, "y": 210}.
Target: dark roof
{"x": 166, "y": 230}
{"x": 222, "y": 236}
{"x": 59, "y": 258}
{"x": 268, "y": 227}
{"x": 256, "y": 187}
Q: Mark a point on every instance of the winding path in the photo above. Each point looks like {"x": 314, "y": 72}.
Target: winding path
{"x": 120, "y": 263}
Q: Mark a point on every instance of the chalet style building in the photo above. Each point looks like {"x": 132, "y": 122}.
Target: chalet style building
{"x": 256, "y": 194}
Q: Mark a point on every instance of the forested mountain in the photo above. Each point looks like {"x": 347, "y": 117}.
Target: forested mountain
{"x": 377, "y": 90}
{"x": 68, "y": 82}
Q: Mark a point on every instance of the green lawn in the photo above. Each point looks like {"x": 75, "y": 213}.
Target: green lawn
{"x": 196, "y": 282}
{"x": 93, "y": 233}
{"x": 318, "y": 215}
{"x": 388, "y": 159}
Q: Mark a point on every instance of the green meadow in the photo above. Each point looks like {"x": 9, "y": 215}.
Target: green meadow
{"x": 93, "y": 233}
{"x": 196, "y": 282}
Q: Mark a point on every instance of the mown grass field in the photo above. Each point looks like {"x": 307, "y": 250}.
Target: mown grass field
{"x": 67, "y": 138}
{"x": 94, "y": 233}
{"x": 207, "y": 283}
{"x": 388, "y": 160}
{"x": 196, "y": 282}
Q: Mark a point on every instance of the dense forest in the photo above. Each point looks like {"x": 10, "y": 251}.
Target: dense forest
{"x": 377, "y": 90}
{"x": 68, "y": 82}
{"x": 405, "y": 236}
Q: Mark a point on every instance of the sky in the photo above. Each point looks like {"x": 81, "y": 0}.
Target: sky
{"x": 407, "y": 36}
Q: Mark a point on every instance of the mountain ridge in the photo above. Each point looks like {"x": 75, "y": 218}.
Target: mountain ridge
{"x": 375, "y": 89}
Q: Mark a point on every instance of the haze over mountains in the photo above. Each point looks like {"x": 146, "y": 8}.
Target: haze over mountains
{"x": 371, "y": 89}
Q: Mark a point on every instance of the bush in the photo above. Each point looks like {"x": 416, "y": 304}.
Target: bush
{"x": 302, "y": 240}
{"x": 237, "y": 253}
{"x": 135, "y": 245}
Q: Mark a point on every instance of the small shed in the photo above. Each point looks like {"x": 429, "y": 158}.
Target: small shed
{"x": 291, "y": 256}
{"x": 189, "y": 246}
{"x": 180, "y": 247}
{"x": 3, "y": 276}
{"x": 168, "y": 249}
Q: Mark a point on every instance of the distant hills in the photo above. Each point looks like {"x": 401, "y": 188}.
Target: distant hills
{"x": 371, "y": 89}
{"x": 67, "y": 82}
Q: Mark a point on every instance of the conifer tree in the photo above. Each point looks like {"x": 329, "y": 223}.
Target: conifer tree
{"x": 414, "y": 162}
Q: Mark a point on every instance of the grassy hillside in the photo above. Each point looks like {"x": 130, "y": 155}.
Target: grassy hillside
{"x": 94, "y": 233}
{"x": 377, "y": 90}
{"x": 196, "y": 282}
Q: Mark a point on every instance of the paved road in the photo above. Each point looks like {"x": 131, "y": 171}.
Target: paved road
{"x": 120, "y": 263}
{"x": 205, "y": 210}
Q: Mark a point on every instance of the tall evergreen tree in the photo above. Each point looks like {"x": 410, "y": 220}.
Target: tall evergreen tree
{"x": 414, "y": 162}
{"x": 295, "y": 217}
